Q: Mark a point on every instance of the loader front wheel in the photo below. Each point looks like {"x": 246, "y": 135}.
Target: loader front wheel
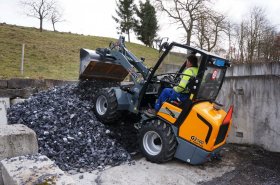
{"x": 157, "y": 141}
{"x": 105, "y": 106}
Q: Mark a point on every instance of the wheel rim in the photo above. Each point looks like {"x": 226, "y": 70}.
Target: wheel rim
{"x": 152, "y": 143}
{"x": 101, "y": 105}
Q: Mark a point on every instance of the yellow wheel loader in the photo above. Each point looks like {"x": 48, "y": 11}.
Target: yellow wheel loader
{"x": 192, "y": 130}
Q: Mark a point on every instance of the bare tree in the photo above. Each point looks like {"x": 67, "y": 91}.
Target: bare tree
{"x": 276, "y": 48}
{"x": 231, "y": 34}
{"x": 183, "y": 12}
{"x": 210, "y": 25}
{"x": 241, "y": 32}
{"x": 39, "y": 9}
{"x": 256, "y": 24}
{"x": 256, "y": 38}
{"x": 55, "y": 17}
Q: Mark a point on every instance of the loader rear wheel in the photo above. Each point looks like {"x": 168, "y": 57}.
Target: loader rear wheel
{"x": 105, "y": 106}
{"x": 157, "y": 141}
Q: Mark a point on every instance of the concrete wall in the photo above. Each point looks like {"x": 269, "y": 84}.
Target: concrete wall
{"x": 255, "y": 69}
{"x": 23, "y": 88}
{"x": 256, "y": 101}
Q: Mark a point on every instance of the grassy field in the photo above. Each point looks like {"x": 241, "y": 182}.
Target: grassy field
{"x": 50, "y": 54}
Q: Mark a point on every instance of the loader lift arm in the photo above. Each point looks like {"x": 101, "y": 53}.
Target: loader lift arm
{"x": 113, "y": 63}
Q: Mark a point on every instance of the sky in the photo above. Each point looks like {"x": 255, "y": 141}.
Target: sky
{"x": 94, "y": 17}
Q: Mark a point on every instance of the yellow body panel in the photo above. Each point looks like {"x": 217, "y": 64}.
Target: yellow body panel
{"x": 164, "y": 112}
{"x": 201, "y": 126}
{"x": 196, "y": 126}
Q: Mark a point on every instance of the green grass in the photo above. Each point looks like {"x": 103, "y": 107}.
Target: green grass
{"x": 50, "y": 54}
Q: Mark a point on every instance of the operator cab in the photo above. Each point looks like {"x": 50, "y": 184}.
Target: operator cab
{"x": 169, "y": 70}
{"x": 167, "y": 74}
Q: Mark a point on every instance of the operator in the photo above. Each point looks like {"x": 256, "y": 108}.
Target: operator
{"x": 177, "y": 92}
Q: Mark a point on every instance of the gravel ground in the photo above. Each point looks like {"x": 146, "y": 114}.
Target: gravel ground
{"x": 68, "y": 131}
{"x": 253, "y": 166}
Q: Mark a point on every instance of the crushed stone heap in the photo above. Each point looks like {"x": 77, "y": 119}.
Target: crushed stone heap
{"x": 68, "y": 131}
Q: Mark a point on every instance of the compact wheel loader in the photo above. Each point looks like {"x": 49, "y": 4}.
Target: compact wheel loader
{"x": 192, "y": 130}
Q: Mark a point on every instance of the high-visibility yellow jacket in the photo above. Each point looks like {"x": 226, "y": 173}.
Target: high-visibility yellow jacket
{"x": 191, "y": 71}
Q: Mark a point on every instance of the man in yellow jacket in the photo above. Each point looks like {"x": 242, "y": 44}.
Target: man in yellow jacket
{"x": 178, "y": 92}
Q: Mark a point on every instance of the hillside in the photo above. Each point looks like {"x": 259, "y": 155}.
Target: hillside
{"x": 50, "y": 54}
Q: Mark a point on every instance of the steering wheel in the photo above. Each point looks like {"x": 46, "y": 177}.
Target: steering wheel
{"x": 167, "y": 79}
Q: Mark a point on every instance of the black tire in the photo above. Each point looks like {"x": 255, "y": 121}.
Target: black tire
{"x": 105, "y": 106}
{"x": 157, "y": 141}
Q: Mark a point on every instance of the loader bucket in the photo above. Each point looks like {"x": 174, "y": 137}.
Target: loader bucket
{"x": 93, "y": 66}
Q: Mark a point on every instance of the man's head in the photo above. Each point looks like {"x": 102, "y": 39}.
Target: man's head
{"x": 192, "y": 61}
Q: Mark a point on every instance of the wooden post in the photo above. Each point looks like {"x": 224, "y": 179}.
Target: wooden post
{"x": 22, "y": 59}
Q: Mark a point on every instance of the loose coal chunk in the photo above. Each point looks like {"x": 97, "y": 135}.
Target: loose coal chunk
{"x": 68, "y": 131}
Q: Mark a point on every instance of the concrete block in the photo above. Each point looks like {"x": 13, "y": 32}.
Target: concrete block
{"x": 17, "y": 100}
{"x": 13, "y": 93}
{"x": 3, "y": 84}
{"x": 3, "y": 114}
{"x": 17, "y": 140}
{"x": 1, "y": 178}
{"x": 17, "y": 83}
{"x": 33, "y": 169}
{"x": 5, "y": 101}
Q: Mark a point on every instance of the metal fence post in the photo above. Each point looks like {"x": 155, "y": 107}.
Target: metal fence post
{"x": 22, "y": 59}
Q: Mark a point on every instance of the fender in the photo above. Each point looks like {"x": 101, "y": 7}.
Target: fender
{"x": 123, "y": 98}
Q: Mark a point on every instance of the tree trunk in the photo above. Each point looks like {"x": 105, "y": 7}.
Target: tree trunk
{"x": 229, "y": 46}
{"x": 128, "y": 34}
{"x": 53, "y": 26}
{"x": 189, "y": 34}
{"x": 41, "y": 24}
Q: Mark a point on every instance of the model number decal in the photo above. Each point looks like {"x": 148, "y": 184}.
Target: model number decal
{"x": 197, "y": 141}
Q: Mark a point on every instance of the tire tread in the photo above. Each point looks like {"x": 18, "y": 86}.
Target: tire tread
{"x": 167, "y": 136}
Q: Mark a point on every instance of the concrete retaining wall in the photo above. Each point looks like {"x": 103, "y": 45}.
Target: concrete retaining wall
{"x": 256, "y": 101}
{"x": 25, "y": 87}
{"x": 254, "y": 69}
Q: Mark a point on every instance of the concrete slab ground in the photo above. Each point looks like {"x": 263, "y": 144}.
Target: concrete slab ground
{"x": 31, "y": 170}
{"x": 144, "y": 172}
{"x": 240, "y": 165}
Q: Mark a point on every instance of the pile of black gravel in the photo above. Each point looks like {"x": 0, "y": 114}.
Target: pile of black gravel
{"x": 68, "y": 131}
